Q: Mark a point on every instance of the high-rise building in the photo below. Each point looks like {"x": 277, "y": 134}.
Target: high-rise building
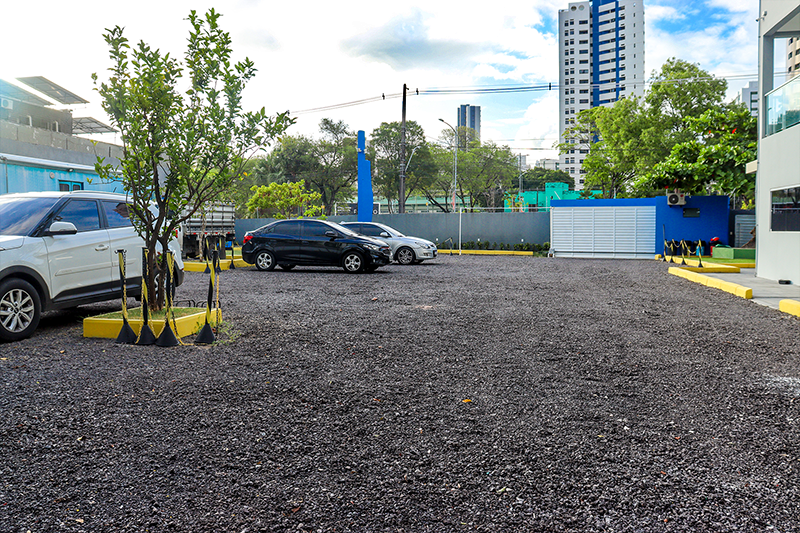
{"x": 601, "y": 60}
{"x": 469, "y": 116}
{"x": 749, "y": 97}
{"x": 793, "y": 56}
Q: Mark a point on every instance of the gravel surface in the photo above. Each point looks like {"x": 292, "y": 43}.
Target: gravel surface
{"x": 467, "y": 394}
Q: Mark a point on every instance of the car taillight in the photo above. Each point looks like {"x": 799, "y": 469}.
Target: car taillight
{"x": 247, "y": 238}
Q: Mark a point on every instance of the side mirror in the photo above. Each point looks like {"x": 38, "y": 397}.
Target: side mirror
{"x": 384, "y": 234}
{"x": 61, "y": 228}
{"x": 332, "y": 234}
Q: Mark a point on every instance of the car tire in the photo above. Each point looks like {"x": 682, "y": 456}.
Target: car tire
{"x": 287, "y": 267}
{"x": 265, "y": 260}
{"x": 353, "y": 262}
{"x": 404, "y": 256}
{"x": 20, "y": 309}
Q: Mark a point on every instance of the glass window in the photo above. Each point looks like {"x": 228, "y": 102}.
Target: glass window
{"x": 81, "y": 212}
{"x": 20, "y": 216}
{"x": 372, "y": 231}
{"x": 290, "y": 227}
{"x": 786, "y": 209}
{"x": 117, "y": 214}
{"x": 66, "y": 186}
{"x": 315, "y": 229}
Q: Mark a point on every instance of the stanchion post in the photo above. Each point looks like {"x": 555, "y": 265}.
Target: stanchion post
{"x": 126, "y": 333}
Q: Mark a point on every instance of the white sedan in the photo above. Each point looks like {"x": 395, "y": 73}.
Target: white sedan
{"x": 405, "y": 250}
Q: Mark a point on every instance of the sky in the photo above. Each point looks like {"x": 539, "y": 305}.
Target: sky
{"x": 312, "y": 55}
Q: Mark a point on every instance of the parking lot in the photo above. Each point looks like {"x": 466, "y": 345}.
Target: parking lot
{"x": 469, "y": 393}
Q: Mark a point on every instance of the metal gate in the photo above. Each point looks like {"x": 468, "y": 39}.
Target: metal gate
{"x": 627, "y": 232}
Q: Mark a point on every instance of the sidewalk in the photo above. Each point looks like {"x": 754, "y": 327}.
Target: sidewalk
{"x": 766, "y": 292}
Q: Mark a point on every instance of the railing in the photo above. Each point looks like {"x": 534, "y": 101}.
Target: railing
{"x": 783, "y": 106}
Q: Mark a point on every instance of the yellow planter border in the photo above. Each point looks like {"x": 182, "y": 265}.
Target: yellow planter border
{"x": 108, "y": 328}
{"x": 733, "y": 288}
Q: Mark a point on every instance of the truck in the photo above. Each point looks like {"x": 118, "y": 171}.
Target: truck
{"x": 216, "y": 222}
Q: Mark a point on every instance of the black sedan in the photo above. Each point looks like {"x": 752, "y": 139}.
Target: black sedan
{"x": 288, "y": 243}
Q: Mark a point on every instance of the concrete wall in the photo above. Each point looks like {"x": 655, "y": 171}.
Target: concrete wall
{"x": 16, "y": 139}
{"x": 777, "y": 252}
{"x": 509, "y": 228}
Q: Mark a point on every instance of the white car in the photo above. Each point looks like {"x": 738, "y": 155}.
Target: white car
{"x": 59, "y": 250}
{"x": 405, "y": 250}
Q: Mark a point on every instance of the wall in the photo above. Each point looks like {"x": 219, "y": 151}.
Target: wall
{"x": 26, "y": 178}
{"x": 509, "y": 228}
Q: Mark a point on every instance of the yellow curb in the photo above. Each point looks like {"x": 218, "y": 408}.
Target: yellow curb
{"x": 791, "y": 307}
{"x": 108, "y": 328}
{"x": 224, "y": 264}
{"x": 714, "y": 283}
{"x": 484, "y": 252}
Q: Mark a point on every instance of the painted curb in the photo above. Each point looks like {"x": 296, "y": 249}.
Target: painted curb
{"x": 733, "y": 288}
{"x": 224, "y": 264}
{"x": 791, "y": 307}
{"x": 484, "y": 252}
{"x": 108, "y": 328}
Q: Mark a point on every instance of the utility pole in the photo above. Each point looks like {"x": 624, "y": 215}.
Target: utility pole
{"x": 401, "y": 203}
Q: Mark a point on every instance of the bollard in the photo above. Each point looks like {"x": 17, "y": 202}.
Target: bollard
{"x": 167, "y": 336}
{"x": 146, "y": 336}
{"x": 126, "y": 333}
{"x": 206, "y": 334}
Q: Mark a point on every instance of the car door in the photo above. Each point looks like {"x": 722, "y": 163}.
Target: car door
{"x": 374, "y": 231}
{"x": 285, "y": 241}
{"x": 80, "y": 264}
{"x": 318, "y": 248}
{"x": 123, "y": 236}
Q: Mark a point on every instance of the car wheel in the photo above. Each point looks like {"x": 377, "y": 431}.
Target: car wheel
{"x": 20, "y": 309}
{"x": 287, "y": 267}
{"x": 265, "y": 260}
{"x": 353, "y": 262}
{"x": 404, "y": 256}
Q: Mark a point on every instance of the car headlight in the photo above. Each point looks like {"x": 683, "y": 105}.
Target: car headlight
{"x": 422, "y": 244}
{"x": 372, "y": 247}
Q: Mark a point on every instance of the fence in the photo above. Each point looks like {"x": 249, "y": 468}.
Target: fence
{"x": 508, "y": 228}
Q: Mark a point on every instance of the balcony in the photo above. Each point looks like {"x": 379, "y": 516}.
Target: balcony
{"x": 783, "y": 106}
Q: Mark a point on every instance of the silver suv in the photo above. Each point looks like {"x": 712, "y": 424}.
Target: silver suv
{"x": 59, "y": 250}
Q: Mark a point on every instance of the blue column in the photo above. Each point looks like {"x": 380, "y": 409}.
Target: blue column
{"x": 364, "y": 181}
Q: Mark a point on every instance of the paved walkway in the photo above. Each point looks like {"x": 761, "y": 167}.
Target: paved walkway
{"x": 766, "y": 292}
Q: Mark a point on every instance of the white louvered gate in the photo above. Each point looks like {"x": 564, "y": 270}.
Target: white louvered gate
{"x": 611, "y": 232}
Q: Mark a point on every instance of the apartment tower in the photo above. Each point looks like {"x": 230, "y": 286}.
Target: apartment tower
{"x": 469, "y": 116}
{"x": 601, "y": 60}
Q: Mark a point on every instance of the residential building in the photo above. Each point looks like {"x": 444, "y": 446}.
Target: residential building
{"x": 601, "y": 60}
{"x": 469, "y": 116}
{"x": 793, "y": 56}
{"x": 749, "y": 97}
{"x": 40, "y": 149}
{"x": 778, "y": 175}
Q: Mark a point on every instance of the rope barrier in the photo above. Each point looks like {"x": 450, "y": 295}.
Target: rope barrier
{"x": 206, "y": 333}
{"x": 167, "y": 337}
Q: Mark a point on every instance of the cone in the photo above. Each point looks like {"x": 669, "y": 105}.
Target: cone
{"x": 206, "y": 335}
{"x": 167, "y": 337}
{"x": 126, "y": 334}
{"x": 146, "y": 336}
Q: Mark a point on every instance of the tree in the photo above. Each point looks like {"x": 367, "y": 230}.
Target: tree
{"x": 714, "y": 159}
{"x": 384, "y": 152}
{"x": 485, "y": 172}
{"x": 336, "y": 168}
{"x": 284, "y": 200}
{"x": 537, "y": 178}
{"x": 180, "y": 149}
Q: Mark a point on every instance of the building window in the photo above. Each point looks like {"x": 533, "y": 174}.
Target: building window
{"x": 67, "y": 186}
{"x": 786, "y": 209}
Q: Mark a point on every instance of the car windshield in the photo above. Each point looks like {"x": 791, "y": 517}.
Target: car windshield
{"x": 21, "y": 215}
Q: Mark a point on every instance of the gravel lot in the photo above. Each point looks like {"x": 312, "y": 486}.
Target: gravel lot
{"x": 467, "y": 394}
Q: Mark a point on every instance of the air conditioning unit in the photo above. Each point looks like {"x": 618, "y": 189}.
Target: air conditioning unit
{"x": 676, "y": 197}
{"x": 5, "y": 103}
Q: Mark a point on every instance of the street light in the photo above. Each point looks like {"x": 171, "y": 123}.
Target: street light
{"x": 455, "y": 162}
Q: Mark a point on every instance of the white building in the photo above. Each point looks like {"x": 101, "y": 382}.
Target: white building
{"x": 749, "y": 97}
{"x": 601, "y": 60}
{"x": 793, "y": 56}
{"x": 548, "y": 164}
{"x": 778, "y": 178}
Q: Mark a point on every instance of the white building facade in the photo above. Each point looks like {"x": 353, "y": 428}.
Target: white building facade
{"x": 601, "y": 60}
{"x": 778, "y": 178}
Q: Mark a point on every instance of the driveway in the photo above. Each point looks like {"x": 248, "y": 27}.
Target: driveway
{"x": 471, "y": 393}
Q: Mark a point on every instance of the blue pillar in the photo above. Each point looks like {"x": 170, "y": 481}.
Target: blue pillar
{"x": 364, "y": 181}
